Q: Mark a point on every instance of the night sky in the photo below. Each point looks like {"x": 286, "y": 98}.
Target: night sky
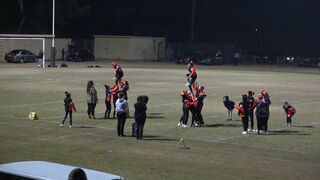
{"x": 289, "y": 26}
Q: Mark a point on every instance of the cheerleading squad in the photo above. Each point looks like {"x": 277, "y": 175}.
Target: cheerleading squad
{"x": 116, "y": 95}
{"x": 192, "y": 101}
{"x": 248, "y": 108}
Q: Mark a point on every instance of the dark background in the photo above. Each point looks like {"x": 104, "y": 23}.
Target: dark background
{"x": 289, "y": 26}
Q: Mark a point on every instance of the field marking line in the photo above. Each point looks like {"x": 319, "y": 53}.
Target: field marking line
{"x": 219, "y": 140}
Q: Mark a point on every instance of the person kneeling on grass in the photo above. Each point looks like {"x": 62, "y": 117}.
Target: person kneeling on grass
{"x": 121, "y": 110}
{"x": 68, "y": 107}
{"x": 290, "y": 111}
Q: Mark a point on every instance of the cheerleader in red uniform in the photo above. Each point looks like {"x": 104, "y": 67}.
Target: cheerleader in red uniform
{"x": 290, "y": 111}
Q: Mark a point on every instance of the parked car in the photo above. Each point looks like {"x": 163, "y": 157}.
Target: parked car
{"x": 211, "y": 60}
{"x": 186, "y": 57}
{"x": 309, "y": 62}
{"x": 79, "y": 55}
{"x": 20, "y": 56}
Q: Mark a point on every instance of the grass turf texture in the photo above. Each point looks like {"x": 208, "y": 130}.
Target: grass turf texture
{"x": 217, "y": 151}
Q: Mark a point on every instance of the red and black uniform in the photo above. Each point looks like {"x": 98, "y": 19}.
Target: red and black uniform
{"x": 193, "y": 105}
{"x": 200, "y": 95}
{"x": 115, "y": 92}
{"x": 68, "y": 107}
{"x": 124, "y": 88}
{"x": 185, "y": 107}
{"x": 290, "y": 111}
{"x": 107, "y": 101}
{"x": 118, "y": 73}
{"x": 252, "y": 106}
{"x": 243, "y": 112}
{"x": 192, "y": 76}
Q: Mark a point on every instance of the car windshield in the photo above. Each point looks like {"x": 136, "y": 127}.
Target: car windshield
{"x": 15, "y": 51}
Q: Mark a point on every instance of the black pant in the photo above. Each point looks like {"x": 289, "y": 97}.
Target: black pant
{"x": 140, "y": 125}
{"x": 251, "y": 119}
{"x": 199, "y": 118}
{"x": 121, "y": 116}
{"x": 262, "y": 123}
{"x": 245, "y": 123}
{"x": 66, "y": 115}
{"x": 289, "y": 120}
{"x": 192, "y": 80}
{"x": 91, "y": 108}
{"x": 114, "y": 107}
{"x": 185, "y": 115}
{"x": 118, "y": 77}
{"x": 108, "y": 109}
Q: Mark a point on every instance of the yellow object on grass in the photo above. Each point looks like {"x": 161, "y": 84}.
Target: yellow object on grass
{"x": 33, "y": 116}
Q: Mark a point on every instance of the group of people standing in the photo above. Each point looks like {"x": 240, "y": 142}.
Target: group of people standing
{"x": 192, "y": 99}
{"x": 117, "y": 94}
{"x": 249, "y": 108}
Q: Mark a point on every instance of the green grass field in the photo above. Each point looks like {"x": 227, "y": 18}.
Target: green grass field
{"x": 217, "y": 151}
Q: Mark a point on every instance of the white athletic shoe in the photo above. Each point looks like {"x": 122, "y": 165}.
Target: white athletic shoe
{"x": 61, "y": 125}
{"x": 249, "y": 130}
{"x": 244, "y": 133}
{"x": 262, "y": 132}
{"x": 188, "y": 84}
{"x": 179, "y": 124}
{"x": 197, "y": 125}
{"x": 185, "y": 125}
{"x": 70, "y": 126}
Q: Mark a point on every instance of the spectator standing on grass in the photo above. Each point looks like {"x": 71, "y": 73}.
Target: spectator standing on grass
{"x": 68, "y": 107}
{"x": 290, "y": 111}
{"x": 243, "y": 112}
{"x": 263, "y": 112}
{"x": 92, "y": 99}
{"x": 121, "y": 110}
{"x": 40, "y": 59}
{"x": 140, "y": 116}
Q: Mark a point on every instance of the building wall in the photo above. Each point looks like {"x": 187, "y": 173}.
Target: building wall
{"x": 129, "y": 47}
{"x": 34, "y": 46}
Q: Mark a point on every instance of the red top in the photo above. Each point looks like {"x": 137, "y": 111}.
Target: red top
{"x": 193, "y": 72}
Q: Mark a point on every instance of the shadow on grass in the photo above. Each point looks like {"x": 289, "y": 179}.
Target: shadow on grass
{"x": 221, "y": 125}
{"x": 157, "y": 138}
{"x": 84, "y": 127}
{"x": 154, "y": 114}
{"x": 155, "y": 117}
{"x": 304, "y": 126}
{"x": 287, "y": 132}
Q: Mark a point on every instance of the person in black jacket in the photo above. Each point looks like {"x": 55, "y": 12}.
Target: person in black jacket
{"x": 263, "y": 112}
{"x": 244, "y": 113}
{"x": 140, "y": 116}
{"x": 252, "y": 106}
{"x": 68, "y": 107}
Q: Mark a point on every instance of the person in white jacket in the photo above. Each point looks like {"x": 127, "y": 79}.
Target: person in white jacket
{"x": 121, "y": 110}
